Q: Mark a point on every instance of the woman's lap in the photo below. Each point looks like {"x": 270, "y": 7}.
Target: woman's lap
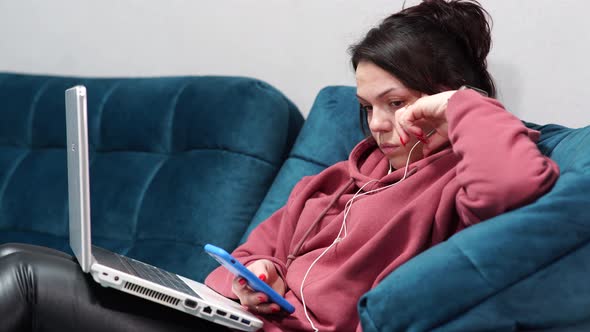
{"x": 43, "y": 289}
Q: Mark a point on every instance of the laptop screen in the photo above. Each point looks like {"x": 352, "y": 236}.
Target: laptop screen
{"x": 78, "y": 182}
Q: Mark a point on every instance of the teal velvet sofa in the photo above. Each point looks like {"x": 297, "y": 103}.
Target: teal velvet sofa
{"x": 175, "y": 162}
{"x": 178, "y": 162}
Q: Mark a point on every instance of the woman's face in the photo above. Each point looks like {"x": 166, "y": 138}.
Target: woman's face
{"x": 381, "y": 95}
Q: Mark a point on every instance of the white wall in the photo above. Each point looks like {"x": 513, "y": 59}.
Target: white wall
{"x": 299, "y": 46}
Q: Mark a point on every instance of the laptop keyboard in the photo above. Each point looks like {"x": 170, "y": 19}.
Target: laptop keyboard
{"x": 158, "y": 276}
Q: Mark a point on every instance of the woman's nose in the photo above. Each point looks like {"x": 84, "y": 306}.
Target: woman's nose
{"x": 380, "y": 121}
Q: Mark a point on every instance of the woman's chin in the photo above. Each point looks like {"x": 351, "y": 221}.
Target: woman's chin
{"x": 398, "y": 161}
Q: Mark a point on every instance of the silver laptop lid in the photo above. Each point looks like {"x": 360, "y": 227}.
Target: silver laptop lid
{"x": 78, "y": 182}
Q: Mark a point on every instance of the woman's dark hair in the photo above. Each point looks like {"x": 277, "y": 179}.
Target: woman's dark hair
{"x": 435, "y": 46}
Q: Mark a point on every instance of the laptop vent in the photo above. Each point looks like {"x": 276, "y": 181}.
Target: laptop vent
{"x": 151, "y": 294}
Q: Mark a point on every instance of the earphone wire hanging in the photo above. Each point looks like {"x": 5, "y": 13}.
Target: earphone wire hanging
{"x": 347, "y": 208}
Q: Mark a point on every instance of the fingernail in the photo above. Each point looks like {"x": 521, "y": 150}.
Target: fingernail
{"x": 275, "y": 309}
{"x": 261, "y": 299}
{"x": 242, "y": 282}
{"x": 262, "y": 277}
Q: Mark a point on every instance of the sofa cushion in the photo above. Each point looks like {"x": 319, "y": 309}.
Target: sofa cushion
{"x": 174, "y": 162}
{"x": 328, "y": 135}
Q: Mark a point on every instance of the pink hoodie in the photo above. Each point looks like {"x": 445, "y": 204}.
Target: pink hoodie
{"x": 491, "y": 166}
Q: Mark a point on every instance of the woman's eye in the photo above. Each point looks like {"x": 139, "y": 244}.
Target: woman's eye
{"x": 396, "y": 103}
{"x": 366, "y": 108}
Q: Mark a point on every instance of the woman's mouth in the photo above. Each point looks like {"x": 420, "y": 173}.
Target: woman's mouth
{"x": 388, "y": 148}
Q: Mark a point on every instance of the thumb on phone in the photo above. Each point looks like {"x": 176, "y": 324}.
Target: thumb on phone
{"x": 267, "y": 272}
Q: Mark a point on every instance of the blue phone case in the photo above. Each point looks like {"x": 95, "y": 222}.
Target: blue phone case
{"x": 238, "y": 269}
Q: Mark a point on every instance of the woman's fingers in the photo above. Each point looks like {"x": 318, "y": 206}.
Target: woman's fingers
{"x": 409, "y": 124}
{"x": 404, "y": 136}
{"x": 425, "y": 112}
{"x": 417, "y": 132}
{"x": 240, "y": 288}
{"x": 246, "y": 295}
{"x": 254, "y": 301}
{"x": 264, "y": 308}
{"x": 267, "y": 272}
{"x": 435, "y": 142}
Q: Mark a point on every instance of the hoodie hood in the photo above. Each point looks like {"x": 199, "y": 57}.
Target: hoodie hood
{"x": 534, "y": 135}
{"x": 367, "y": 163}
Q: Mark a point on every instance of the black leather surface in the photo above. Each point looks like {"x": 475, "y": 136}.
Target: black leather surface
{"x": 43, "y": 289}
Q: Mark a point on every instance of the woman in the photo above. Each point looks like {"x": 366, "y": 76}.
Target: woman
{"x": 440, "y": 157}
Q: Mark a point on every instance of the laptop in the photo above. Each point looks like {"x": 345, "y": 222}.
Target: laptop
{"x": 122, "y": 273}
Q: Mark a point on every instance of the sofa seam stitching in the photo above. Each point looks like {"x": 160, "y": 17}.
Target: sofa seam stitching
{"x": 100, "y": 112}
{"x": 140, "y": 201}
{"x": 33, "y": 110}
{"x": 264, "y": 161}
{"x": 11, "y": 173}
{"x": 309, "y": 160}
{"x": 173, "y": 116}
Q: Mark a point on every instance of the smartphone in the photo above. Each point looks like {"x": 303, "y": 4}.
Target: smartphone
{"x": 238, "y": 269}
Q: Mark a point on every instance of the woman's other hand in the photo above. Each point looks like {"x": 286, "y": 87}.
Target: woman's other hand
{"x": 426, "y": 115}
{"x": 258, "y": 302}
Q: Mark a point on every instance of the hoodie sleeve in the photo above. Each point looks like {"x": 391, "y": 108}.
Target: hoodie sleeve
{"x": 500, "y": 166}
{"x": 269, "y": 240}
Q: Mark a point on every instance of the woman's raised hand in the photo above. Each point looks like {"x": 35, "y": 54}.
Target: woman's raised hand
{"x": 258, "y": 302}
{"x": 427, "y": 113}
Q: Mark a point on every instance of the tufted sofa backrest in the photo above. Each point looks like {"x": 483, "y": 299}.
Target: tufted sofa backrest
{"x": 174, "y": 162}
{"x": 328, "y": 135}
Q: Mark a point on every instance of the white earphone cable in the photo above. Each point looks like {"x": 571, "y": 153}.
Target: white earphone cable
{"x": 343, "y": 229}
